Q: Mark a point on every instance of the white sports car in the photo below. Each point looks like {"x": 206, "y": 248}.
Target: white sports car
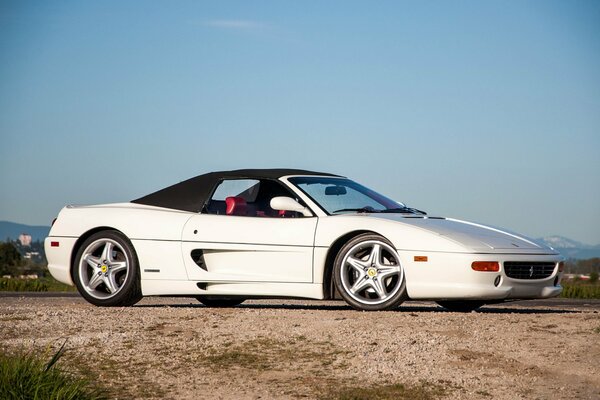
{"x": 224, "y": 237}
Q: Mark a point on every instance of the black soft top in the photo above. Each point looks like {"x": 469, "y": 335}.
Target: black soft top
{"x": 192, "y": 194}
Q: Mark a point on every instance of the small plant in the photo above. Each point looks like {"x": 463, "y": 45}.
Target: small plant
{"x": 594, "y": 277}
{"x": 27, "y": 376}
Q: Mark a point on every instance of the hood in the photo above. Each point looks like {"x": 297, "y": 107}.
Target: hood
{"x": 477, "y": 237}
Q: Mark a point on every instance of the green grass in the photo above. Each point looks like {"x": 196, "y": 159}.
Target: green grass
{"x": 25, "y": 376}
{"x": 316, "y": 360}
{"x": 580, "y": 290}
{"x": 262, "y": 354}
{"x": 47, "y": 284}
{"x": 22, "y": 285}
{"x": 421, "y": 391}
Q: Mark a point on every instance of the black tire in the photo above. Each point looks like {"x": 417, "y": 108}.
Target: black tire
{"x": 125, "y": 280}
{"x": 461, "y": 305}
{"x": 347, "y": 276}
{"x": 220, "y": 301}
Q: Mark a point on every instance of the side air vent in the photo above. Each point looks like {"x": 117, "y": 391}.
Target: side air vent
{"x": 528, "y": 269}
{"x": 198, "y": 257}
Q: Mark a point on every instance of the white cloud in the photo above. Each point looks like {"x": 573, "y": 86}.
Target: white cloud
{"x": 240, "y": 24}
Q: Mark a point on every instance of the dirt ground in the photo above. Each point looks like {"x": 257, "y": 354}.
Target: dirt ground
{"x": 175, "y": 348}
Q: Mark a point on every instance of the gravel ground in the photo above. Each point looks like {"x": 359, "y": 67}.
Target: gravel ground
{"x": 175, "y": 348}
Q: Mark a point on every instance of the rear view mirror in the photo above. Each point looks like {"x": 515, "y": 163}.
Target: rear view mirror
{"x": 289, "y": 204}
{"x": 335, "y": 190}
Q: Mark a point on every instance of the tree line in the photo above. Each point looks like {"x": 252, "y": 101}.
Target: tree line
{"x": 584, "y": 267}
{"x": 13, "y": 262}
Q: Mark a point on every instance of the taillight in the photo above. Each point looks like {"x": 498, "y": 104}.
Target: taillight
{"x": 486, "y": 266}
{"x": 561, "y": 266}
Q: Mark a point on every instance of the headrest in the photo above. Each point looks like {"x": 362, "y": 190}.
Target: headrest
{"x": 235, "y": 206}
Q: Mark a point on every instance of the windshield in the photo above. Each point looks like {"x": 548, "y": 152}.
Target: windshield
{"x": 341, "y": 195}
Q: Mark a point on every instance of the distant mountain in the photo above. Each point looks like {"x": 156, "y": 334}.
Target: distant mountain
{"x": 571, "y": 248}
{"x": 12, "y": 231}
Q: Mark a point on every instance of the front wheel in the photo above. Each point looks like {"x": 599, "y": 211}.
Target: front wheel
{"x": 368, "y": 274}
{"x": 220, "y": 301}
{"x": 461, "y": 306}
{"x": 106, "y": 272}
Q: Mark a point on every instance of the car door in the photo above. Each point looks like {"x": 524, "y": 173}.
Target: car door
{"x": 250, "y": 243}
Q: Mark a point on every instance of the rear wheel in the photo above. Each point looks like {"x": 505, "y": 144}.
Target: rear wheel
{"x": 220, "y": 301}
{"x": 106, "y": 272}
{"x": 368, "y": 274}
{"x": 461, "y": 305}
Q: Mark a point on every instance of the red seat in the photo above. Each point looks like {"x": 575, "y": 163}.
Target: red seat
{"x": 235, "y": 206}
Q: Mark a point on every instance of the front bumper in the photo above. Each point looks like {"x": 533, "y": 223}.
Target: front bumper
{"x": 449, "y": 276}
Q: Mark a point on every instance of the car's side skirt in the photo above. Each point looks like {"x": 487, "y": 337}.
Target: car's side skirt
{"x": 191, "y": 288}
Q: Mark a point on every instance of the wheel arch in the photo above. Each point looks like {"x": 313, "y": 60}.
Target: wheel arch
{"x": 82, "y": 239}
{"x": 328, "y": 285}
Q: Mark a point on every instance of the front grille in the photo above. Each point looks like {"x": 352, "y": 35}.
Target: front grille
{"x": 528, "y": 269}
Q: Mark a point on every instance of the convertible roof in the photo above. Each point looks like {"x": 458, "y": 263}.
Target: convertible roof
{"x": 192, "y": 194}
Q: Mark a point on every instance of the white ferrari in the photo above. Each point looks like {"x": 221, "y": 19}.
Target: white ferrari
{"x": 224, "y": 237}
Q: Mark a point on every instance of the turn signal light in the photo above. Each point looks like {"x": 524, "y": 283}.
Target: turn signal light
{"x": 486, "y": 266}
{"x": 561, "y": 266}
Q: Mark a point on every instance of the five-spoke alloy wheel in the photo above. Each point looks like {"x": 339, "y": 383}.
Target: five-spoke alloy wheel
{"x": 106, "y": 270}
{"x": 368, "y": 274}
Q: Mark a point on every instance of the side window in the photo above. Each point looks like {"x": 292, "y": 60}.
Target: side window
{"x": 249, "y": 198}
{"x": 244, "y": 188}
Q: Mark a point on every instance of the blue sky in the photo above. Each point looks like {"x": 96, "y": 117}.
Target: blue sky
{"x": 487, "y": 111}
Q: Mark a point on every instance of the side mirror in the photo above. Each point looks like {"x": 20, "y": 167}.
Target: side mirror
{"x": 289, "y": 204}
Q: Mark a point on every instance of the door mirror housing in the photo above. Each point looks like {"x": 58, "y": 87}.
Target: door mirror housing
{"x": 289, "y": 204}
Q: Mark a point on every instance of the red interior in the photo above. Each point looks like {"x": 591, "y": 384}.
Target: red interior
{"x": 235, "y": 206}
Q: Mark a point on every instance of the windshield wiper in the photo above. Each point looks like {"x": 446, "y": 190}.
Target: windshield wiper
{"x": 404, "y": 210}
{"x": 360, "y": 210}
{"x": 401, "y": 210}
